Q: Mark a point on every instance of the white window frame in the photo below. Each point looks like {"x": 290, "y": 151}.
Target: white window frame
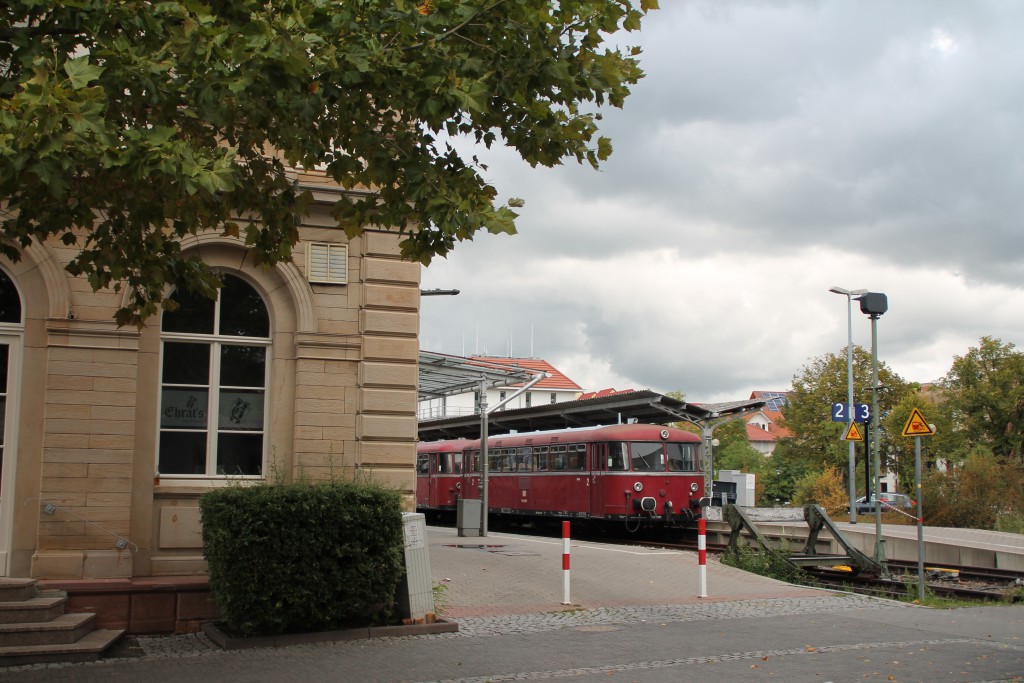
{"x": 13, "y": 335}
{"x": 217, "y": 341}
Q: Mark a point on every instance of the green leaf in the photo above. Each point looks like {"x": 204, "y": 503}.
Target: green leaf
{"x": 80, "y": 72}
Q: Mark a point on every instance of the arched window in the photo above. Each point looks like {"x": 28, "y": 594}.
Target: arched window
{"x": 10, "y": 302}
{"x": 214, "y": 383}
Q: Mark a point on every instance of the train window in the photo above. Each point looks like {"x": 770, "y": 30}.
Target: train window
{"x": 556, "y": 458}
{"x": 577, "y": 457}
{"x": 524, "y": 459}
{"x": 540, "y": 458}
{"x": 647, "y": 457}
{"x": 422, "y": 463}
{"x": 444, "y": 463}
{"x": 498, "y": 461}
{"x": 617, "y": 456}
{"x": 681, "y": 457}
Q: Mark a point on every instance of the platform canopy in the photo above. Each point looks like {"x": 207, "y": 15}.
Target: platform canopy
{"x": 443, "y": 375}
{"x": 640, "y": 406}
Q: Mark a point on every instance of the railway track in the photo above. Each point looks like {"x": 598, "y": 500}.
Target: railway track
{"x": 949, "y": 581}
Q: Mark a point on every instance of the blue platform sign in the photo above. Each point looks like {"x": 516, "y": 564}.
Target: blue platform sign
{"x": 841, "y": 412}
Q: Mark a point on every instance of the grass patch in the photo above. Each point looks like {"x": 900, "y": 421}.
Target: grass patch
{"x": 766, "y": 562}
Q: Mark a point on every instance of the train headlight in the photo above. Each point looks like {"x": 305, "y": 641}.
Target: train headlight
{"x": 664, "y": 433}
{"x": 638, "y": 487}
{"x": 693, "y": 487}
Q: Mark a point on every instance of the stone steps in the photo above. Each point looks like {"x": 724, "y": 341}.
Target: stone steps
{"x": 35, "y": 629}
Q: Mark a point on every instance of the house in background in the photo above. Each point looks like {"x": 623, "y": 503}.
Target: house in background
{"x": 555, "y": 388}
{"x": 763, "y": 427}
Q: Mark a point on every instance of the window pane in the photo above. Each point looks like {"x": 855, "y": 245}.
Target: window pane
{"x": 5, "y": 351}
{"x": 242, "y": 311}
{"x": 239, "y": 454}
{"x": 194, "y": 314}
{"x": 10, "y": 302}
{"x": 647, "y": 457}
{"x": 3, "y": 420}
{"x": 186, "y": 363}
{"x": 182, "y": 453}
{"x": 241, "y": 410}
{"x": 184, "y": 408}
{"x": 242, "y": 366}
{"x": 681, "y": 457}
{"x": 617, "y": 456}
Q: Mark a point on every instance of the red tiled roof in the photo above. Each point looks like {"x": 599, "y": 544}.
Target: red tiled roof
{"x": 554, "y": 380}
{"x": 755, "y": 433}
{"x": 603, "y": 393}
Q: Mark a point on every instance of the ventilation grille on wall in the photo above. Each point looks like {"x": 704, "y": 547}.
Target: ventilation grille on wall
{"x": 327, "y": 263}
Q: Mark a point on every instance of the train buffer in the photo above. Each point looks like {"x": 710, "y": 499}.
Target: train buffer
{"x": 817, "y": 520}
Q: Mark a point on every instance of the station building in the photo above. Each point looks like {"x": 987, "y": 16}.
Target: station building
{"x": 110, "y": 435}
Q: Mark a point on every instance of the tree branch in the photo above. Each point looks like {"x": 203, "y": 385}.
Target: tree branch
{"x": 455, "y": 29}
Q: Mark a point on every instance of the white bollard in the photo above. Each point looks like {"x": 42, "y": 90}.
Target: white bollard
{"x": 565, "y": 563}
{"x": 702, "y": 556}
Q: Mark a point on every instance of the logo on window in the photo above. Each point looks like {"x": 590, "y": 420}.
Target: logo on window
{"x": 238, "y": 410}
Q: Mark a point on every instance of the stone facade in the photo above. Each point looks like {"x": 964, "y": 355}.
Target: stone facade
{"x": 80, "y": 496}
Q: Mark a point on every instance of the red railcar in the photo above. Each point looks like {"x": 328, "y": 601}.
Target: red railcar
{"x": 630, "y": 472}
{"x": 439, "y": 473}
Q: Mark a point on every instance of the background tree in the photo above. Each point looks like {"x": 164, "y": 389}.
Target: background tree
{"x": 783, "y": 470}
{"x": 980, "y": 493}
{"x": 824, "y": 488}
{"x": 819, "y": 384}
{"x": 127, "y": 125}
{"x": 945, "y": 446}
{"x": 984, "y": 389}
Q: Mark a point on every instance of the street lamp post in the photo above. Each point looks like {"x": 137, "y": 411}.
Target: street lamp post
{"x": 849, "y": 294}
{"x": 874, "y": 304}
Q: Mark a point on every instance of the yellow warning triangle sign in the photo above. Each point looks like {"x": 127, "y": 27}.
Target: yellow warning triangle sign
{"x": 853, "y": 433}
{"x": 917, "y": 424}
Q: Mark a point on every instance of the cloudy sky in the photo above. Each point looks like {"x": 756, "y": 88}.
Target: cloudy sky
{"x": 774, "y": 149}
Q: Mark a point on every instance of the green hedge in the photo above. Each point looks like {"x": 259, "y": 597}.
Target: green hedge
{"x": 302, "y": 557}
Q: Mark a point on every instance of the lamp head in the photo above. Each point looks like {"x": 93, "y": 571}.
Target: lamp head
{"x": 847, "y": 292}
{"x": 873, "y": 304}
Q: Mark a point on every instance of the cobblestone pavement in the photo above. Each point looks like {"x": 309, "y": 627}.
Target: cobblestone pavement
{"x": 833, "y": 638}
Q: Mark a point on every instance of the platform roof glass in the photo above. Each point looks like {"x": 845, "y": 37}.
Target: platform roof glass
{"x": 443, "y": 375}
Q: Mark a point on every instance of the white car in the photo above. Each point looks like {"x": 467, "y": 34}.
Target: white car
{"x": 900, "y": 501}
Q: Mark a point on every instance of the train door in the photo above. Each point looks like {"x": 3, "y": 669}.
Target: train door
{"x": 607, "y": 480}
{"x": 423, "y": 480}
{"x": 598, "y": 481}
{"x": 470, "y": 482}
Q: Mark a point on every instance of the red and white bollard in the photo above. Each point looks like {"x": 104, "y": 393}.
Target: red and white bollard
{"x": 565, "y": 563}
{"x": 702, "y": 556}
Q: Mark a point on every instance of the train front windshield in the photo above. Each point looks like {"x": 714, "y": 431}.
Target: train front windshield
{"x": 657, "y": 456}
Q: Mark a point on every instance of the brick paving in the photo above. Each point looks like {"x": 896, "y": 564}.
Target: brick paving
{"x": 634, "y": 617}
{"x": 602, "y": 575}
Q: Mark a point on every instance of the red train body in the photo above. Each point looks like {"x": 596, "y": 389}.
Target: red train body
{"x": 631, "y": 472}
